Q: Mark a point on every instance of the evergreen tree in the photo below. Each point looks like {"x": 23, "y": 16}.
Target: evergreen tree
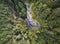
{"x": 16, "y": 31}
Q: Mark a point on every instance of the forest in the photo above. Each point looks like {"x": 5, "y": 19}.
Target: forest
{"x": 29, "y": 21}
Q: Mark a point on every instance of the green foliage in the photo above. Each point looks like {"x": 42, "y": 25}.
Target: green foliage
{"x": 15, "y": 31}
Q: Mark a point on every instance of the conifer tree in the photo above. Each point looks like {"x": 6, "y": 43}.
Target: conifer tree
{"x": 16, "y": 31}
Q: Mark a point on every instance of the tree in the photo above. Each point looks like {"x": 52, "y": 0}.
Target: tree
{"x": 14, "y": 31}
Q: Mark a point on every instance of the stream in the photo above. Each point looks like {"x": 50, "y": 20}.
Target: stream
{"x": 30, "y": 21}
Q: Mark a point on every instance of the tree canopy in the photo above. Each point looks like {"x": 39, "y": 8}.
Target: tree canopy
{"x": 16, "y": 31}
